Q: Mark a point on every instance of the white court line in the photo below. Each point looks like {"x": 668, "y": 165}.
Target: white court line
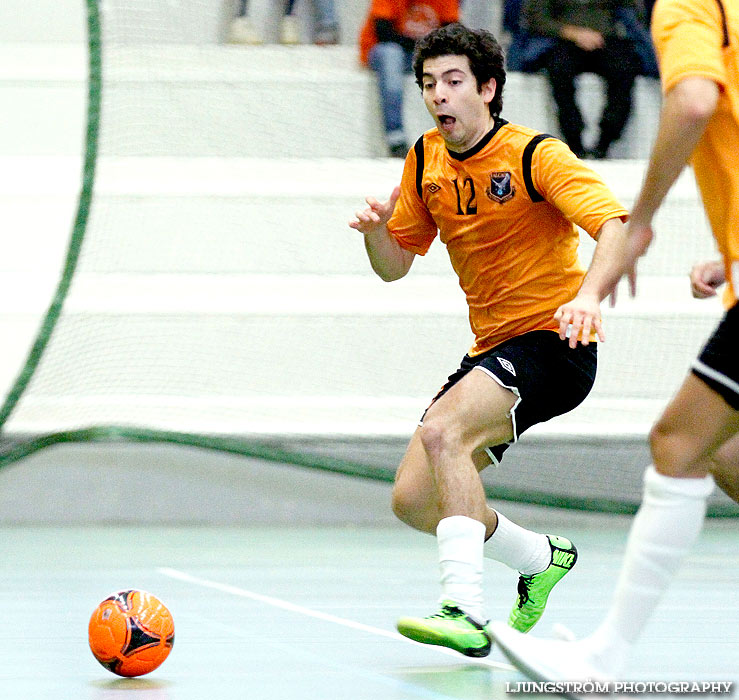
{"x": 285, "y": 605}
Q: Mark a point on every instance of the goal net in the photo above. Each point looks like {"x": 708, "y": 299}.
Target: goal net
{"x": 211, "y": 293}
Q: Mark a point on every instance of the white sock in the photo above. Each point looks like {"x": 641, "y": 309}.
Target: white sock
{"x": 460, "y": 542}
{"x": 523, "y": 550}
{"x": 668, "y": 523}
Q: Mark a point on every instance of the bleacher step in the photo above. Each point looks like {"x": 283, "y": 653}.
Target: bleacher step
{"x": 214, "y": 100}
{"x": 326, "y": 343}
{"x": 266, "y": 215}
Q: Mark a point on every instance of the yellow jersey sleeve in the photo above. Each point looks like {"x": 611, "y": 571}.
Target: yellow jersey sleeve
{"x": 411, "y": 223}
{"x": 573, "y": 188}
{"x": 688, "y": 37}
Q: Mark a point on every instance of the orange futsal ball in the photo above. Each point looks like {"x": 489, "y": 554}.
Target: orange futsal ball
{"x": 131, "y": 633}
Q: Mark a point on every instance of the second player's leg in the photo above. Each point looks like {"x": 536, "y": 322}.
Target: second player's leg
{"x": 697, "y": 434}
{"x": 697, "y": 425}
{"x": 724, "y": 466}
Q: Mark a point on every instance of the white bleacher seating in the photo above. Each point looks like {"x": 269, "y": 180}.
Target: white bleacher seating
{"x": 324, "y": 84}
{"x": 192, "y": 21}
{"x": 314, "y": 280}
{"x": 280, "y": 157}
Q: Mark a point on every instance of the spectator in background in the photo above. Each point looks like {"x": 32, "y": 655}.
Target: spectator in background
{"x": 526, "y": 52}
{"x": 326, "y": 25}
{"x": 242, "y": 30}
{"x": 386, "y": 45}
{"x": 587, "y": 36}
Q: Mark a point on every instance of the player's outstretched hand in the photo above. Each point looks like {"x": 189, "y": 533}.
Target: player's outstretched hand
{"x": 376, "y": 215}
{"x": 578, "y": 318}
{"x": 706, "y": 278}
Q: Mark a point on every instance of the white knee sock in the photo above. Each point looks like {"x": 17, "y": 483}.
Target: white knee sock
{"x": 460, "y": 542}
{"x": 668, "y": 523}
{"x": 523, "y": 550}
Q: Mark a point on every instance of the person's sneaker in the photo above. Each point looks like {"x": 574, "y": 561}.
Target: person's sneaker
{"x": 547, "y": 659}
{"x": 450, "y": 627}
{"x": 534, "y": 590}
{"x": 289, "y": 30}
{"x": 242, "y": 31}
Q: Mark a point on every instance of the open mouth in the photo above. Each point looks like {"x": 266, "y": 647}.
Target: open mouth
{"x": 445, "y": 121}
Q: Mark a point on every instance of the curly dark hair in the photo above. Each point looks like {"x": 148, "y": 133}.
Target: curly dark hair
{"x": 481, "y": 48}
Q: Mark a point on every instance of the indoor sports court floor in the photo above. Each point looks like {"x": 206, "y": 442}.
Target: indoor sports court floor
{"x": 280, "y": 612}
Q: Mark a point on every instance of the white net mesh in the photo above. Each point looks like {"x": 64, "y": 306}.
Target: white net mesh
{"x": 219, "y": 289}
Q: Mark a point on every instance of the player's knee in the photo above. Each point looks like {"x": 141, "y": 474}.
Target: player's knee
{"x": 664, "y": 446}
{"x": 674, "y": 453}
{"x": 438, "y": 437}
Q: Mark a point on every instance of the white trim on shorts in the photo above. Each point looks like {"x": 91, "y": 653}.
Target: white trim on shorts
{"x": 705, "y": 370}
{"x": 514, "y": 389}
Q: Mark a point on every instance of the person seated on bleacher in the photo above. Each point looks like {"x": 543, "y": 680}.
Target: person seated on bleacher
{"x": 326, "y": 27}
{"x": 386, "y": 45}
{"x": 526, "y": 51}
{"x": 585, "y": 36}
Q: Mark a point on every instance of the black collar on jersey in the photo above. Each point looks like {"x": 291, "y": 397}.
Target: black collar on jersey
{"x": 484, "y": 141}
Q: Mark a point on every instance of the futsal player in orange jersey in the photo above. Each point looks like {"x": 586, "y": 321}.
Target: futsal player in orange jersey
{"x": 697, "y": 43}
{"x": 505, "y": 200}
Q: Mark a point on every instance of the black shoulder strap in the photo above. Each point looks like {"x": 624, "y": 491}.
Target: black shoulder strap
{"x": 418, "y": 148}
{"x": 528, "y": 154}
{"x": 724, "y": 25}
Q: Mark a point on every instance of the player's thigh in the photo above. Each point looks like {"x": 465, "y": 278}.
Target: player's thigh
{"x": 695, "y": 425}
{"x": 526, "y": 380}
{"x": 414, "y": 471}
{"x": 414, "y": 490}
{"x": 415, "y": 497}
{"x": 474, "y": 413}
{"x": 704, "y": 415}
{"x": 477, "y": 409}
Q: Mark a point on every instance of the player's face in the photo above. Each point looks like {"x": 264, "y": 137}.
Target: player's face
{"x": 460, "y": 111}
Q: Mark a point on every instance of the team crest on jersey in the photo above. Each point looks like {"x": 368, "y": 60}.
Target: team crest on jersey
{"x": 432, "y": 188}
{"x": 507, "y": 365}
{"x": 501, "y": 189}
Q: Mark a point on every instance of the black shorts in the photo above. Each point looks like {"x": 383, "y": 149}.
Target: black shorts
{"x": 718, "y": 363}
{"x": 548, "y": 377}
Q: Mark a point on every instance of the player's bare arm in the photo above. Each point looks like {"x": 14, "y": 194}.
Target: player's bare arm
{"x": 685, "y": 114}
{"x": 582, "y": 315}
{"x": 388, "y": 258}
